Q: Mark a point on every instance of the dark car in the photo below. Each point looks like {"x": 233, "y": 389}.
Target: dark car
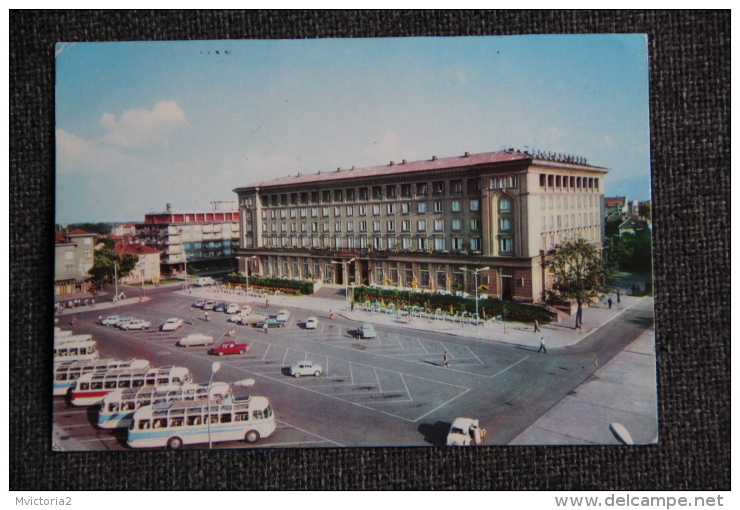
{"x": 271, "y": 322}
{"x": 221, "y": 307}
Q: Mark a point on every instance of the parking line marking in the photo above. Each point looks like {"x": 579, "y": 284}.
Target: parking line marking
{"x": 377, "y": 379}
{"x": 507, "y": 368}
{"x": 351, "y": 375}
{"x": 311, "y": 433}
{"x": 442, "y": 405}
{"x": 408, "y": 392}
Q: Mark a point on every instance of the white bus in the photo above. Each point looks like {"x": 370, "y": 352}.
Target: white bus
{"x": 118, "y": 407}
{"x": 59, "y": 332}
{"x": 75, "y": 348}
{"x": 68, "y": 372}
{"x": 90, "y": 388}
{"x": 174, "y": 424}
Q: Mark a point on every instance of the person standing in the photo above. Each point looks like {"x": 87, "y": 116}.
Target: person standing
{"x": 609, "y": 301}
{"x": 542, "y": 345}
{"x": 536, "y": 326}
{"x": 264, "y": 327}
{"x": 446, "y": 359}
{"x": 267, "y": 304}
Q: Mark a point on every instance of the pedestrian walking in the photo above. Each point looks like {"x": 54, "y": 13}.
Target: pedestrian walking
{"x": 208, "y": 316}
{"x": 331, "y": 314}
{"x": 542, "y": 345}
{"x": 609, "y": 301}
{"x": 267, "y": 304}
{"x": 100, "y": 320}
{"x": 264, "y": 327}
{"x": 536, "y": 326}
{"x": 92, "y": 303}
{"x": 446, "y": 359}
{"x": 192, "y": 320}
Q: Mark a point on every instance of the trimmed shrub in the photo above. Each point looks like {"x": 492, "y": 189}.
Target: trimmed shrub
{"x": 284, "y": 285}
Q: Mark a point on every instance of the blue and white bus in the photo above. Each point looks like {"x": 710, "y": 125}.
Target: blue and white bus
{"x": 90, "y": 388}
{"x": 75, "y": 348}
{"x": 67, "y": 372}
{"x": 118, "y": 407}
{"x": 174, "y": 424}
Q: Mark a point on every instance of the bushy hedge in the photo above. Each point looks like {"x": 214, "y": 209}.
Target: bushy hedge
{"x": 515, "y": 312}
{"x": 273, "y": 283}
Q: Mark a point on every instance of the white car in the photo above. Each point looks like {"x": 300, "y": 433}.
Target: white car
{"x": 172, "y": 324}
{"x": 237, "y": 317}
{"x": 306, "y": 368}
{"x": 209, "y": 305}
{"x": 232, "y": 308}
{"x": 464, "y": 432}
{"x": 111, "y": 320}
{"x": 195, "y": 339}
{"x": 135, "y": 324}
{"x": 282, "y": 316}
{"x": 312, "y": 323}
{"x": 123, "y": 321}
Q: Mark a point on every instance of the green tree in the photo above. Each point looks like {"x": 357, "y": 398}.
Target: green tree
{"x": 579, "y": 273}
{"x": 107, "y": 262}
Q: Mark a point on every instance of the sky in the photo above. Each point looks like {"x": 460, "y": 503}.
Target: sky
{"x": 144, "y": 124}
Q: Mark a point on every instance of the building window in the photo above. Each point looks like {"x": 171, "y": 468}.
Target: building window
{"x": 505, "y": 245}
{"x": 424, "y": 277}
{"x": 314, "y": 212}
{"x": 264, "y": 214}
{"x": 350, "y": 226}
{"x": 456, "y": 206}
{"x": 406, "y": 190}
{"x": 303, "y": 212}
{"x": 456, "y": 187}
{"x": 439, "y": 225}
{"x": 438, "y": 207}
{"x": 376, "y": 209}
{"x": 441, "y": 278}
{"x": 391, "y": 226}
{"x": 422, "y": 190}
{"x": 405, "y": 208}
{"x": 543, "y": 180}
{"x": 363, "y": 210}
{"x": 379, "y": 274}
{"x": 475, "y": 205}
{"x": 337, "y": 211}
{"x": 303, "y": 226}
{"x": 505, "y": 223}
{"x": 324, "y": 212}
{"x": 363, "y": 193}
{"x": 439, "y": 243}
{"x": 326, "y": 196}
{"x": 456, "y": 224}
{"x": 264, "y": 227}
{"x": 421, "y": 207}
{"x": 337, "y": 195}
{"x": 292, "y": 227}
{"x": 504, "y": 204}
{"x": 474, "y": 224}
{"x": 292, "y": 213}
{"x": 391, "y": 243}
{"x": 350, "y": 210}
{"x": 363, "y": 226}
{"x": 475, "y": 243}
{"x": 423, "y": 243}
{"x": 378, "y": 243}
{"x": 314, "y": 226}
{"x": 337, "y": 226}
{"x": 376, "y": 226}
{"x": 350, "y": 195}
{"x": 438, "y": 187}
{"x": 377, "y": 192}
{"x": 457, "y": 243}
{"x": 391, "y": 191}
{"x": 405, "y": 225}
{"x": 421, "y": 225}
{"x": 406, "y": 243}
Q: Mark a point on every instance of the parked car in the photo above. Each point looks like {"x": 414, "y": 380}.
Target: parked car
{"x": 209, "y": 304}
{"x": 271, "y": 323}
{"x": 195, "y": 339}
{"x": 199, "y": 303}
{"x": 220, "y": 307}
{"x": 172, "y": 324}
{"x": 232, "y": 308}
{"x": 236, "y": 317}
{"x": 136, "y": 324}
{"x": 312, "y": 323}
{"x": 283, "y": 315}
{"x": 366, "y": 331}
{"x": 465, "y": 432}
{"x": 306, "y": 368}
{"x": 251, "y": 320}
{"x": 230, "y": 347}
{"x": 123, "y": 321}
{"x": 246, "y": 310}
{"x": 111, "y": 320}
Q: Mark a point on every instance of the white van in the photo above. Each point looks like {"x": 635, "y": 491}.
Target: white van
{"x": 203, "y": 281}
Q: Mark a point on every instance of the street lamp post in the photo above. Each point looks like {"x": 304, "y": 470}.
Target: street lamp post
{"x": 247, "y": 266}
{"x": 345, "y": 268}
{"x": 214, "y": 368}
{"x": 475, "y": 274}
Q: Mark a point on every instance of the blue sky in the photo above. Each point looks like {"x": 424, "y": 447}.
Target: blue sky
{"x": 143, "y": 124}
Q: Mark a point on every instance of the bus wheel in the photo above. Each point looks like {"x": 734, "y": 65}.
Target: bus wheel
{"x": 175, "y": 443}
{"x": 252, "y": 436}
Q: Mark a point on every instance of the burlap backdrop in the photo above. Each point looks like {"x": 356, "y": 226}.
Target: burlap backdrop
{"x": 690, "y": 123}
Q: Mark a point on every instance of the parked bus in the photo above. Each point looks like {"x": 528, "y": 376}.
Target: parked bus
{"x": 118, "y": 407}
{"x": 67, "y": 372}
{"x": 90, "y": 388}
{"x": 174, "y": 424}
{"x": 59, "y": 332}
{"x": 75, "y": 348}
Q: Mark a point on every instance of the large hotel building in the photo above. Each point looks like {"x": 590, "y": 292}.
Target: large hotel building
{"x": 424, "y": 224}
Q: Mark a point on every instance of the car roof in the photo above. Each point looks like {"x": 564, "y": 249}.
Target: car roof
{"x": 463, "y": 423}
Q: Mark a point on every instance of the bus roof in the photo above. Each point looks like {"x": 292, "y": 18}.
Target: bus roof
{"x": 72, "y": 338}
{"x": 151, "y": 372}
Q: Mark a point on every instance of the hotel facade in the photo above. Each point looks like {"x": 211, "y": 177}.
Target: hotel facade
{"x": 437, "y": 224}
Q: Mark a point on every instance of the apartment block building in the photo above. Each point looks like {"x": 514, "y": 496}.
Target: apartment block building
{"x": 204, "y": 242}
{"x": 425, "y": 224}
{"x": 73, "y": 258}
{"x": 147, "y": 268}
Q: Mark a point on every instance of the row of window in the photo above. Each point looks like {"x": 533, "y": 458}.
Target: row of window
{"x": 568, "y": 182}
{"x": 422, "y": 189}
{"x": 439, "y": 243}
{"x": 562, "y": 202}
{"x": 439, "y": 225}
{"x": 376, "y": 209}
{"x": 576, "y": 220}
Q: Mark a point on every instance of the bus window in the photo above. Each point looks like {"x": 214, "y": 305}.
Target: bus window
{"x": 129, "y": 406}
{"x": 257, "y": 415}
{"x": 144, "y": 424}
{"x": 124, "y": 384}
{"x": 85, "y": 386}
{"x": 160, "y": 423}
{"x": 61, "y": 377}
{"x": 163, "y": 381}
{"x": 214, "y": 418}
{"x": 137, "y": 383}
{"x": 241, "y": 416}
{"x": 151, "y": 382}
{"x": 268, "y": 412}
{"x": 62, "y": 352}
{"x": 113, "y": 407}
{"x": 75, "y": 375}
{"x": 110, "y": 385}
{"x": 176, "y": 422}
{"x": 193, "y": 420}
{"x": 144, "y": 403}
{"x": 225, "y": 417}
{"x": 73, "y": 351}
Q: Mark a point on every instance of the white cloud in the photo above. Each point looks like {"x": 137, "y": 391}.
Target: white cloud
{"x": 81, "y": 156}
{"x": 141, "y": 127}
{"x": 606, "y": 142}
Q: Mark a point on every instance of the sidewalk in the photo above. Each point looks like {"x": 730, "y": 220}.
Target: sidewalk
{"x": 556, "y": 335}
{"x": 623, "y": 391}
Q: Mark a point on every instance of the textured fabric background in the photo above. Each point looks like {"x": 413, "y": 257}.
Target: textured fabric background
{"x": 690, "y": 122}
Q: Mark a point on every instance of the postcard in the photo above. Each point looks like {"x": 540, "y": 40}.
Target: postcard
{"x": 425, "y": 241}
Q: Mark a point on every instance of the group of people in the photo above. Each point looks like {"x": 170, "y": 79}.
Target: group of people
{"x": 73, "y": 303}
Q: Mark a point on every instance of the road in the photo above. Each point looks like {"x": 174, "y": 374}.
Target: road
{"x": 389, "y": 391}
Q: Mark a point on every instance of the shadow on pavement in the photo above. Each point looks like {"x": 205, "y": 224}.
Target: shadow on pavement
{"x": 436, "y": 434}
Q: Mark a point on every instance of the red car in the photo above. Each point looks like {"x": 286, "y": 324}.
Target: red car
{"x": 230, "y": 347}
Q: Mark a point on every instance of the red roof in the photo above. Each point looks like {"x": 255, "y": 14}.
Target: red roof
{"x": 59, "y": 238}
{"x": 80, "y": 232}
{"x": 612, "y": 201}
{"x": 398, "y": 168}
{"x": 136, "y": 249}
